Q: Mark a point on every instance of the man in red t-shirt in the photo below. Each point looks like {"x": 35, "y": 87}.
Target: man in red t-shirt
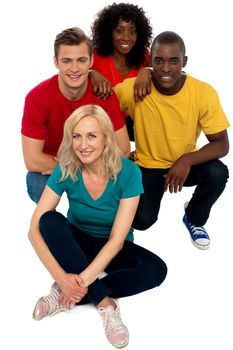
{"x": 50, "y": 103}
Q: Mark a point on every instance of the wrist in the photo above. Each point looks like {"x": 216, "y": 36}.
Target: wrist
{"x": 59, "y": 277}
{"x": 186, "y": 159}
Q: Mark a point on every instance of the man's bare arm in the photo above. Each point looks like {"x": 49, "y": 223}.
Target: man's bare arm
{"x": 34, "y": 157}
{"x": 122, "y": 139}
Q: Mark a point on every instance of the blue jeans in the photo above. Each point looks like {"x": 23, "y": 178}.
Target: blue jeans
{"x": 210, "y": 179}
{"x": 35, "y": 185}
{"x": 133, "y": 270}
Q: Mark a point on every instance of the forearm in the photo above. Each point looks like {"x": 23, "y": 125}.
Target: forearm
{"x": 98, "y": 265}
{"x": 45, "y": 255}
{"x": 41, "y": 163}
{"x": 210, "y": 151}
{"x": 34, "y": 157}
{"x": 122, "y": 139}
{"x": 127, "y": 152}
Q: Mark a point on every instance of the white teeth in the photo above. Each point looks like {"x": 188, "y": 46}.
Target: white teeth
{"x": 166, "y": 78}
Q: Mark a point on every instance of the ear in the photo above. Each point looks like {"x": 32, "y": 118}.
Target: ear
{"x": 185, "y": 60}
{"x": 92, "y": 61}
{"x": 55, "y": 62}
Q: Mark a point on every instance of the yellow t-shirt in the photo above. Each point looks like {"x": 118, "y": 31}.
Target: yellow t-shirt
{"x": 165, "y": 126}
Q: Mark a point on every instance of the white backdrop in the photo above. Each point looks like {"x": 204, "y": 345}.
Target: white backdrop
{"x": 193, "y": 308}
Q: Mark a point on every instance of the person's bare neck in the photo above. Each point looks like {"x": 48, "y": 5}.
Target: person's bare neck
{"x": 70, "y": 93}
{"x": 119, "y": 58}
{"x": 120, "y": 63}
{"x": 93, "y": 171}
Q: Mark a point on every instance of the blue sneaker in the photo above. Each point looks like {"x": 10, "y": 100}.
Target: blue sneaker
{"x": 198, "y": 234}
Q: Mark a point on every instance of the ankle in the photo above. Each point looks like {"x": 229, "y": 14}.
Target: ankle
{"x": 107, "y": 302}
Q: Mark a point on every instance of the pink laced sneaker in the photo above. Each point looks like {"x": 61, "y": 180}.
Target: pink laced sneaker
{"x": 49, "y": 305}
{"x": 115, "y": 330}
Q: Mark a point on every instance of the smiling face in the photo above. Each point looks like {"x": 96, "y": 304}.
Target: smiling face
{"x": 89, "y": 141}
{"x": 124, "y": 36}
{"x": 167, "y": 61}
{"x": 73, "y": 63}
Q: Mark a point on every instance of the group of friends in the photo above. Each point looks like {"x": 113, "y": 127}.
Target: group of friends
{"x": 77, "y": 126}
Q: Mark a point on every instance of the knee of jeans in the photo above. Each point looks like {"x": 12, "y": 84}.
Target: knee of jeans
{"x": 156, "y": 271}
{"x": 163, "y": 273}
{"x": 219, "y": 174}
{"x": 49, "y": 223}
{"x": 143, "y": 222}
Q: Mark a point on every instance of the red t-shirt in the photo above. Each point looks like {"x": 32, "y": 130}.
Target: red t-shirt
{"x": 46, "y": 110}
{"x": 106, "y": 66}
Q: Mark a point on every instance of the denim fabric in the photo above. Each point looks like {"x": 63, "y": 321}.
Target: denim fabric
{"x": 210, "y": 179}
{"x": 133, "y": 270}
{"x": 35, "y": 185}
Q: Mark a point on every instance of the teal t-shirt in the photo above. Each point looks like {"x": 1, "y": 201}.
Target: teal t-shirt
{"x": 96, "y": 216}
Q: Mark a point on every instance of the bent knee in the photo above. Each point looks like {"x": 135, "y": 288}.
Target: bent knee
{"x": 143, "y": 222}
{"x": 219, "y": 173}
{"x": 49, "y": 223}
{"x": 156, "y": 272}
{"x": 163, "y": 273}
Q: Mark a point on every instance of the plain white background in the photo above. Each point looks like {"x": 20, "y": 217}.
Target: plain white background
{"x": 193, "y": 308}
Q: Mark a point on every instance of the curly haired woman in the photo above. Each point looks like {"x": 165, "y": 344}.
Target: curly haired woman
{"x": 122, "y": 34}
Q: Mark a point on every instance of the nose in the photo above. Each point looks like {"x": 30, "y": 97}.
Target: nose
{"x": 166, "y": 67}
{"x": 84, "y": 143}
{"x": 126, "y": 35}
{"x": 75, "y": 66}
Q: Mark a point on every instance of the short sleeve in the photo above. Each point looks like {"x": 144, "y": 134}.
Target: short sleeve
{"x": 130, "y": 179}
{"x": 125, "y": 95}
{"x": 54, "y": 181}
{"x": 112, "y": 107}
{"x": 212, "y": 117}
{"x": 34, "y": 117}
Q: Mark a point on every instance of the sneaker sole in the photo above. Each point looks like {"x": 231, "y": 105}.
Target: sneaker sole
{"x": 201, "y": 247}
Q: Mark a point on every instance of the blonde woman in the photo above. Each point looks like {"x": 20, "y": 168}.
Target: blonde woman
{"x": 103, "y": 189}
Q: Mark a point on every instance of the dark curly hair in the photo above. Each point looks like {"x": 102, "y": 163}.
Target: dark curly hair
{"x": 107, "y": 20}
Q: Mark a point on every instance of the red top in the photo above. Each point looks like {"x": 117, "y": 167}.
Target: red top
{"x": 46, "y": 110}
{"x": 106, "y": 66}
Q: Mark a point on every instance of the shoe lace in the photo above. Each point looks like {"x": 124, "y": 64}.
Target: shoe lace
{"x": 198, "y": 230}
{"x": 52, "y": 302}
{"x": 112, "y": 320}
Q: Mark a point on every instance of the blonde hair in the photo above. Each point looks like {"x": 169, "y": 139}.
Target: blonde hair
{"x": 69, "y": 163}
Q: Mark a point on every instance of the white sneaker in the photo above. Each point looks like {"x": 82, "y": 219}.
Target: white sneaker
{"x": 49, "y": 305}
{"x": 115, "y": 330}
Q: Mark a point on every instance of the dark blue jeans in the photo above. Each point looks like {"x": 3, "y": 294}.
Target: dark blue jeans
{"x": 210, "y": 179}
{"x": 133, "y": 270}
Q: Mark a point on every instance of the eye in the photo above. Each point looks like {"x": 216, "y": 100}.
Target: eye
{"x": 118, "y": 30}
{"x": 91, "y": 136}
{"x": 157, "y": 60}
{"x": 175, "y": 61}
{"x": 66, "y": 61}
{"x": 76, "y": 136}
{"x": 83, "y": 59}
{"x": 133, "y": 32}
